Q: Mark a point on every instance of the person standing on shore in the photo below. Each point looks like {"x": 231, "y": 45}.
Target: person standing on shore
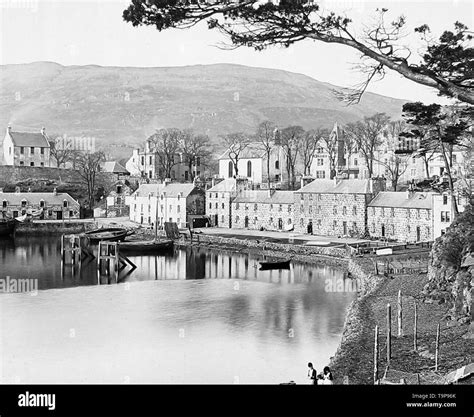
{"x": 312, "y": 374}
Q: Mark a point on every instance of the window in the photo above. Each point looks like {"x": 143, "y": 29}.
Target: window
{"x": 32, "y": 150}
{"x": 22, "y": 150}
{"x": 277, "y": 164}
{"x": 32, "y": 164}
{"x": 249, "y": 169}
{"x": 65, "y": 203}
{"x": 230, "y": 170}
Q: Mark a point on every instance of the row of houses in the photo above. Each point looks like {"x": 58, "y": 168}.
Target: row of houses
{"x": 338, "y": 207}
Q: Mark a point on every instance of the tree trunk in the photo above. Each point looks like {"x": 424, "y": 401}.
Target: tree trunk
{"x": 450, "y": 179}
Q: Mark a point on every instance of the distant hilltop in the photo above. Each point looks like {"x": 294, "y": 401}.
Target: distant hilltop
{"x": 124, "y": 105}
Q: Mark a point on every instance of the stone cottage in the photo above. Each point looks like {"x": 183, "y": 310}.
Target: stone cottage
{"x": 402, "y": 216}
{"x": 263, "y": 210}
{"x": 43, "y": 206}
{"x": 336, "y": 207}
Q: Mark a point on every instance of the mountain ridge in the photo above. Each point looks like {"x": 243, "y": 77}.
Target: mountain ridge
{"x": 122, "y": 106}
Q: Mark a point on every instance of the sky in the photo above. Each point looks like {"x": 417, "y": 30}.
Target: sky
{"x": 72, "y": 32}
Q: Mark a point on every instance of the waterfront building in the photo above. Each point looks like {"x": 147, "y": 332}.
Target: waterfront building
{"x": 336, "y": 207}
{"x": 404, "y": 216}
{"x": 263, "y": 210}
{"x": 26, "y": 148}
{"x": 166, "y": 202}
{"x": 219, "y": 201}
{"x": 252, "y": 165}
{"x": 44, "y": 206}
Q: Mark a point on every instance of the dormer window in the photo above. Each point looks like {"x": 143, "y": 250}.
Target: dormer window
{"x": 65, "y": 203}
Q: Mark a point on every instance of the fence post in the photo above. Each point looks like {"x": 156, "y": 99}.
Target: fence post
{"x": 437, "y": 347}
{"x": 415, "y": 329}
{"x": 389, "y": 334}
{"x": 376, "y": 355}
{"x": 400, "y": 314}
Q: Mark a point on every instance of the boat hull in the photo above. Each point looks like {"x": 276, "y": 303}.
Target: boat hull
{"x": 265, "y": 266}
{"x": 145, "y": 247}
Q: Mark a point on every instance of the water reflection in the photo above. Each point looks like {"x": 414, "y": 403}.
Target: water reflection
{"x": 190, "y": 316}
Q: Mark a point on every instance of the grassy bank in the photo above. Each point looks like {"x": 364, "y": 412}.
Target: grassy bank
{"x": 356, "y": 358}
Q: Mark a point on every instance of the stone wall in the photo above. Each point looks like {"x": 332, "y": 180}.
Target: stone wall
{"x": 400, "y": 224}
{"x": 328, "y": 212}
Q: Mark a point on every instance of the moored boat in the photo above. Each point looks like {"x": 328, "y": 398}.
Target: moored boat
{"x": 141, "y": 247}
{"x": 274, "y": 265}
{"x": 111, "y": 234}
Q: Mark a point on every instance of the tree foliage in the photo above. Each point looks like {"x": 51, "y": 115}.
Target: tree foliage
{"x": 446, "y": 65}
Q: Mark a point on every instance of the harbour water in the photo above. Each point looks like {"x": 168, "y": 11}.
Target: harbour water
{"x": 189, "y": 317}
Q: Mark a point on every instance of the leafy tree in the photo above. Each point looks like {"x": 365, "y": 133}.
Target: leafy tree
{"x": 368, "y": 135}
{"x": 291, "y": 138}
{"x": 446, "y": 64}
{"x": 236, "y": 143}
{"x": 445, "y": 127}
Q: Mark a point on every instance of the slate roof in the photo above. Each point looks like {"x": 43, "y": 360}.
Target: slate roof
{"x": 115, "y": 167}
{"x": 261, "y": 196}
{"x": 344, "y": 186}
{"x": 227, "y": 185}
{"x": 15, "y": 199}
{"x": 29, "y": 139}
{"x": 254, "y": 150}
{"x": 171, "y": 189}
{"x": 401, "y": 199}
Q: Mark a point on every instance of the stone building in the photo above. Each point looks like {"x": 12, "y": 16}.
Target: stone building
{"x": 26, "y": 148}
{"x": 219, "y": 198}
{"x": 405, "y": 216}
{"x": 336, "y": 207}
{"x": 166, "y": 202}
{"x": 263, "y": 210}
{"x": 43, "y": 206}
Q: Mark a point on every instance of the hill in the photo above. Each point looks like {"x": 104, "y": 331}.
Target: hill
{"x": 121, "y": 106}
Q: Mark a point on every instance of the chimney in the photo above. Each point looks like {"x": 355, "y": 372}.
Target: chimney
{"x": 43, "y": 130}
{"x": 55, "y": 191}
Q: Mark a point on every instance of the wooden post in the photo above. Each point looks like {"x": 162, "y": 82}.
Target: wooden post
{"x": 376, "y": 355}
{"x": 400, "y": 314}
{"x": 415, "y": 329}
{"x": 389, "y": 334}
{"x": 437, "y": 347}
